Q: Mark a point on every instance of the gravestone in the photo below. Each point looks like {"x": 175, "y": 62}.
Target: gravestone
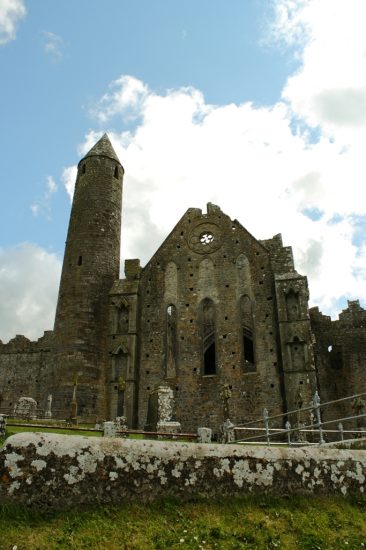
{"x": 26, "y": 407}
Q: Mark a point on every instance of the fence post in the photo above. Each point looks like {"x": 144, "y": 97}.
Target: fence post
{"x": 316, "y": 406}
{"x": 265, "y": 420}
{"x": 288, "y": 428}
{"x": 340, "y": 428}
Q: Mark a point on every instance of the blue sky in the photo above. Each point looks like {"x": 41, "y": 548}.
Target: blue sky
{"x": 65, "y": 55}
{"x": 257, "y": 105}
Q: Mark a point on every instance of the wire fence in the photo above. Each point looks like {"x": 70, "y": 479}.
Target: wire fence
{"x": 302, "y": 426}
{"x": 314, "y": 431}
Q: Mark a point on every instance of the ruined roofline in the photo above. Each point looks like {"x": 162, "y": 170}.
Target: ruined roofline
{"x": 19, "y": 342}
{"x": 212, "y": 209}
{"x": 352, "y": 313}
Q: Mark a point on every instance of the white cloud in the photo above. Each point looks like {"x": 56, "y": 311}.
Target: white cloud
{"x": 183, "y": 152}
{"x": 43, "y": 204}
{"x": 11, "y": 12}
{"x": 329, "y": 89}
{"x": 125, "y": 98}
{"x": 262, "y": 165}
{"x": 53, "y": 45}
{"x": 68, "y": 178}
{"x": 29, "y": 277}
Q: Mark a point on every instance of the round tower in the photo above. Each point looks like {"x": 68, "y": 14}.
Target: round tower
{"x": 91, "y": 265}
{"x": 92, "y": 253}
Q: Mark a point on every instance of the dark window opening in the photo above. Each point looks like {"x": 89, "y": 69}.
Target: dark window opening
{"x": 208, "y": 336}
{"x": 120, "y": 403}
{"x": 171, "y": 341}
{"x": 248, "y": 350}
{"x": 336, "y": 357}
{"x": 80, "y": 260}
{"x": 83, "y": 170}
{"x": 116, "y": 172}
{"x": 209, "y": 359}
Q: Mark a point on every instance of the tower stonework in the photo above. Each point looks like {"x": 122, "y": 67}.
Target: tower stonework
{"x": 91, "y": 265}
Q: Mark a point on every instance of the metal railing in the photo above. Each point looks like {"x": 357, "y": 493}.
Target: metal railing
{"x": 315, "y": 432}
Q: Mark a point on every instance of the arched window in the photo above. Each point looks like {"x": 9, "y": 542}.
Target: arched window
{"x": 123, "y": 320}
{"x": 116, "y": 172}
{"x": 171, "y": 341}
{"x": 246, "y": 315}
{"x": 208, "y": 337}
{"x": 292, "y": 306}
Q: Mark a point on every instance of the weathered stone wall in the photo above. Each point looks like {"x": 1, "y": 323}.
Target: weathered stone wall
{"x": 24, "y": 371}
{"x": 340, "y": 354}
{"x": 38, "y": 369}
{"x": 63, "y": 471}
{"x": 182, "y": 274}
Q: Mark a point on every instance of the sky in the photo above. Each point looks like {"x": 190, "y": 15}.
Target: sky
{"x": 258, "y": 106}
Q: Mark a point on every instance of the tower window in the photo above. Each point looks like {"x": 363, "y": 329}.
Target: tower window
{"x": 83, "y": 169}
{"x": 116, "y": 172}
{"x": 80, "y": 260}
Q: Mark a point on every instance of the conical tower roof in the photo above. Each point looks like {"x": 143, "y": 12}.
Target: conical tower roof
{"x": 103, "y": 148}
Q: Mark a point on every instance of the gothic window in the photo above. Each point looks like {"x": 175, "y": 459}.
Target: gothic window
{"x": 247, "y": 329}
{"x": 292, "y": 306}
{"x": 123, "y": 318}
{"x": 171, "y": 341}
{"x": 208, "y": 337}
{"x": 116, "y": 172}
{"x": 244, "y": 276}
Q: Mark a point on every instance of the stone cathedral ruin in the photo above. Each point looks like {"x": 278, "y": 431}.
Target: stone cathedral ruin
{"x": 214, "y": 307}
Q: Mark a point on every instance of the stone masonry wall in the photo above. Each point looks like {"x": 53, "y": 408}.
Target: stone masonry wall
{"x": 182, "y": 274}
{"x": 340, "y": 354}
{"x": 24, "y": 371}
{"x": 46, "y": 470}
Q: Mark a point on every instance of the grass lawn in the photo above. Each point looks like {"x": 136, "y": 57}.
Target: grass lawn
{"x": 11, "y": 430}
{"x": 253, "y": 522}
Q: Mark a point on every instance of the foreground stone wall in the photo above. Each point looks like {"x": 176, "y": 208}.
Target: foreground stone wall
{"x": 62, "y": 471}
